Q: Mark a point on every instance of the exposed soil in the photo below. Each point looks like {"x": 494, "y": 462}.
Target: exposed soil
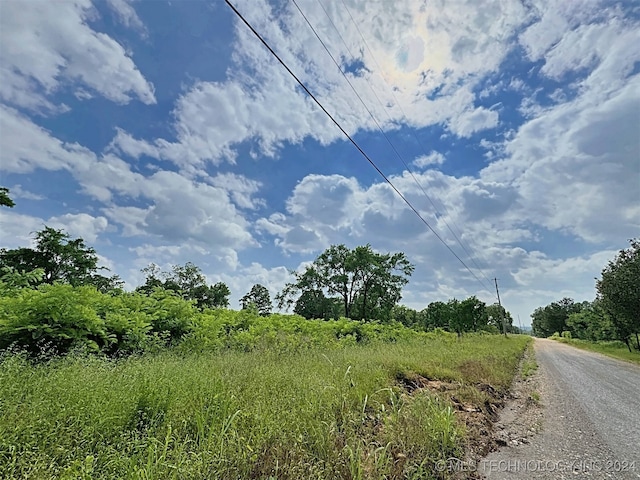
{"x": 492, "y": 419}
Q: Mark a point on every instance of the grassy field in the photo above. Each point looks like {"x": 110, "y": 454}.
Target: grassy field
{"x": 320, "y": 413}
{"x": 613, "y": 349}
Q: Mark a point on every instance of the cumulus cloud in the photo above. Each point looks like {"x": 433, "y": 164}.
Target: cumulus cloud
{"x": 81, "y": 225}
{"x": 178, "y": 208}
{"x": 46, "y": 45}
{"x": 419, "y": 67}
{"x": 433, "y": 158}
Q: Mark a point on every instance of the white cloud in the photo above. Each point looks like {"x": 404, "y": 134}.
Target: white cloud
{"x": 177, "y": 208}
{"x": 433, "y": 158}
{"x": 18, "y": 192}
{"x": 80, "y": 225}
{"x": 18, "y": 229}
{"x": 422, "y": 66}
{"x": 47, "y": 44}
{"x": 127, "y": 14}
{"x": 472, "y": 121}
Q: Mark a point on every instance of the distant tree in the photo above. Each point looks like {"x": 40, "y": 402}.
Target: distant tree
{"x": 258, "y": 297}
{"x": 313, "y": 304}
{"x": 619, "y": 292}
{"x": 62, "y": 259}
{"x": 405, "y": 315}
{"x": 553, "y": 318}
{"x": 187, "y": 281}
{"x": 495, "y": 314}
{"x": 470, "y": 315}
{"x": 368, "y": 283}
{"x": 5, "y": 200}
{"x": 437, "y": 315}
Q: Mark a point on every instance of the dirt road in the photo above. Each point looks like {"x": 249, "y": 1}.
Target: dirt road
{"x": 590, "y": 422}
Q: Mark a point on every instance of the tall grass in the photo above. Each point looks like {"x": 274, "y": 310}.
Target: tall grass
{"x": 318, "y": 413}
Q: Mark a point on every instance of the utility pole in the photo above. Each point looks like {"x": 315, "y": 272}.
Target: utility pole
{"x": 504, "y": 324}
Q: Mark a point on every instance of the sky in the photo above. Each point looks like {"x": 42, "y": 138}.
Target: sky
{"x": 166, "y": 132}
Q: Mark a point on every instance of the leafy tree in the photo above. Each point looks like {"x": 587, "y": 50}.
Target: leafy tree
{"x": 187, "y": 281}
{"x": 591, "y": 323}
{"x": 405, "y": 315}
{"x": 619, "y": 292}
{"x": 5, "y": 200}
{"x": 258, "y": 298}
{"x": 62, "y": 259}
{"x": 495, "y": 315}
{"x": 369, "y": 284}
{"x": 469, "y": 316}
{"x": 11, "y": 279}
{"x": 553, "y": 318}
{"x": 437, "y": 315}
{"x": 313, "y": 304}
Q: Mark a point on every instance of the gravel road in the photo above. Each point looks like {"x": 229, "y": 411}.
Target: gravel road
{"x": 590, "y": 425}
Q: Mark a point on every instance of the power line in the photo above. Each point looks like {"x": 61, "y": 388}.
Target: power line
{"x": 378, "y": 125}
{"x": 458, "y": 239}
{"x": 355, "y": 144}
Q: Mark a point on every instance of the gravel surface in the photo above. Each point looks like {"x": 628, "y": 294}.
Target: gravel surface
{"x": 590, "y": 421}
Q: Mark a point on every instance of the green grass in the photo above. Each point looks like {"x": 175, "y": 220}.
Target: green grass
{"x": 529, "y": 365}
{"x": 615, "y": 349}
{"x": 319, "y": 413}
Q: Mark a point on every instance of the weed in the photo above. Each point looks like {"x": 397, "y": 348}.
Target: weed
{"x": 306, "y": 413}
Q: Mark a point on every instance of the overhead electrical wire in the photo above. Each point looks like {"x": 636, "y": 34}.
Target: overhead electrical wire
{"x": 420, "y": 144}
{"x": 397, "y": 153}
{"x": 346, "y": 134}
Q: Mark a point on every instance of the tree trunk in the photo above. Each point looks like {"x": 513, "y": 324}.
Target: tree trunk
{"x": 637, "y": 341}
{"x": 626, "y": 340}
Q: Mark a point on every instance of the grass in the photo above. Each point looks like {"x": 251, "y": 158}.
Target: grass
{"x": 320, "y": 413}
{"x": 615, "y": 349}
{"x": 529, "y": 365}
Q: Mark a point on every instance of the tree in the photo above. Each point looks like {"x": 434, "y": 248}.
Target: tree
{"x": 258, "y": 298}
{"x": 619, "y": 292}
{"x": 495, "y": 315}
{"x": 5, "y": 200}
{"x": 470, "y": 315}
{"x": 187, "y": 281}
{"x": 553, "y": 318}
{"x": 591, "y": 323}
{"x": 405, "y": 315}
{"x": 369, "y": 284}
{"x": 436, "y": 315}
{"x": 313, "y": 304}
{"x": 62, "y": 259}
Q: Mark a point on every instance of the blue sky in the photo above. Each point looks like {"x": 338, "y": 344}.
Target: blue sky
{"x": 165, "y": 132}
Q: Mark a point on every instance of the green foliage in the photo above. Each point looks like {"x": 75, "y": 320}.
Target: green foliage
{"x": 495, "y": 315}
{"x": 591, "y": 323}
{"x": 619, "y": 292}
{"x": 314, "y": 304}
{"x": 368, "y": 283}
{"x": 11, "y": 279}
{"x": 60, "y": 318}
{"x": 613, "y": 315}
{"x": 553, "y": 317}
{"x": 61, "y": 258}
{"x": 257, "y": 298}
{"x": 317, "y": 413}
{"x": 5, "y": 200}
{"x": 469, "y": 315}
{"x": 56, "y": 317}
{"x": 187, "y": 281}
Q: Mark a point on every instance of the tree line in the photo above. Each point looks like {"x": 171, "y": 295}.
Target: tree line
{"x": 359, "y": 284}
{"x": 613, "y": 315}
